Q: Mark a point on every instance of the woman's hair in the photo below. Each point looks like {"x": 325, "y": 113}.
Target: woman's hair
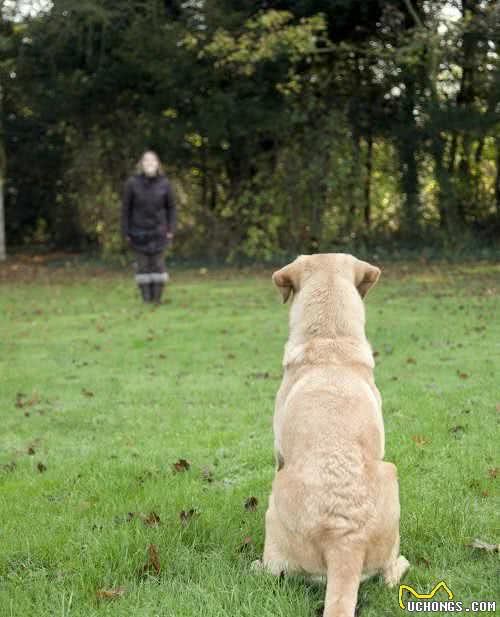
{"x": 139, "y": 168}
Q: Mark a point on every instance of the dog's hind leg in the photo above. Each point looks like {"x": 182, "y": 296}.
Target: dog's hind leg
{"x": 275, "y": 559}
{"x": 383, "y": 548}
{"x": 344, "y": 566}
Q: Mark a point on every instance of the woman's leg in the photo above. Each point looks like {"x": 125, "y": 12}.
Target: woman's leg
{"x": 159, "y": 276}
{"x": 143, "y": 276}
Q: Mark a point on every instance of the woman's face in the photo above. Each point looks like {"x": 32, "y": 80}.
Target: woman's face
{"x": 150, "y": 164}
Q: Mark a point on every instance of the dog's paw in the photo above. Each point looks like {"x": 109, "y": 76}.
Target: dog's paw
{"x": 257, "y": 566}
{"x": 396, "y": 570}
{"x": 276, "y": 568}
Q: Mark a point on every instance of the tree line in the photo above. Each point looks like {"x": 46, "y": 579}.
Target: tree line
{"x": 285, "y": 126}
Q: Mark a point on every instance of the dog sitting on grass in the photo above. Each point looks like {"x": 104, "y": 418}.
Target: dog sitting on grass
{"x": 334, "y": 507}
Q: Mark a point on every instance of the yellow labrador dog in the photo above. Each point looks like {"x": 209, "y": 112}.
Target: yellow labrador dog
{"x": 334, "y": 506}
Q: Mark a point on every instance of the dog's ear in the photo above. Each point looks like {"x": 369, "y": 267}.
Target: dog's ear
{"x": 287, "y": 279}
{"x": 366, "y": 276}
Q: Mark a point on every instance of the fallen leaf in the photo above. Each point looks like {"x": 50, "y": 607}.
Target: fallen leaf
{"x": 498, "y": 407}
{"x": 420, "y": 440}
{"x": 264, "y": 375}
{"x": 376, "y": 354}
{"x": 181, "y": 465}
{"x": 462, "y": 375}
{"x": 493, "y": 472}
{"x": 41, "y": 467}
{"x": 162, "y": 356}
{"x": 246, "y": 544}
{"x": 154, "y": 558}
{"x": 22, "y": 401}
{"x": 111, "y": 593}
{"x": 31, "y": 450}
{"x": 484, "y": 546}
{"x": 411, "y": 361}
{"x": 150, "y": 520}
{"x": 251, "y": 504}
{"x": 87, "y": 393}
{"x": 207, "y": 475}
{"x": 457, "y": 430}
{"x": 187, "y": 515}
{"x": 485, "y": 493}
{"x": 9, "y": 467}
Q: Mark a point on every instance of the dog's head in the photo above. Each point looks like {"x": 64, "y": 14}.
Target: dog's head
{"x": 325, "y": 269}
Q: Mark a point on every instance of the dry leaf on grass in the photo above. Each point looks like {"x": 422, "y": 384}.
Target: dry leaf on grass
{"x": 152, "y": 565}
{"x": 246, "y": 545}
{"x": 207, "y": 474}
{"x": 187, "y": 515}
{"x": 87, "y": 393}
{"x": 251, "y": 504}
{"x": 462, "y": 375}
{"x": 181, "y": 465}
{"x": 493, "y": 472}
{"x": 41, "y": 467}
{"x": 420, "y": 440}
{"x": 9, "y": 467}
{"x": 411, "y": 361}
{"x": 484, "y": 546}
{"x": 111, "y": 593}
{"x": 22, "y": 401}
{"x": 150, "y": 520}
{"x": 458, "y": 430}
{"x": 154, "y": 558}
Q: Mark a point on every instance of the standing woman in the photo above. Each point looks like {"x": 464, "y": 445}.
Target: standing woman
{"x": 148, "y": 223}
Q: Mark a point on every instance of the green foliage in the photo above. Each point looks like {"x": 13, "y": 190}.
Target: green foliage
{"x": 287, "y": 126}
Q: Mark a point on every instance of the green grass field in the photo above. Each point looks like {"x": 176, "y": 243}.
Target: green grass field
{"x": 101, "y": 396}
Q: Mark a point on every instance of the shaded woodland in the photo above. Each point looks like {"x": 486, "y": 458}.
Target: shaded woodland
{"x": 285, "y": 126}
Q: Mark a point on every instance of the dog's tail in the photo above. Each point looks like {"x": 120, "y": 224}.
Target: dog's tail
{"x": 344, "y": 567}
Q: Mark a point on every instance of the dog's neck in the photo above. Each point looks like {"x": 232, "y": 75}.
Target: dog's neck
{"x": 328, "y": 328}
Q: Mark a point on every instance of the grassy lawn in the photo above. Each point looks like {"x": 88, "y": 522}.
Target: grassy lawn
{"x": 101, "y": 396}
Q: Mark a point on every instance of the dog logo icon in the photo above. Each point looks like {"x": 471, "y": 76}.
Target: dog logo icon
{"x": 423, "y": 596}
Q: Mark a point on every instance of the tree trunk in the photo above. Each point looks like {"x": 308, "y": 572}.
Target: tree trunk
{"x": 445, "y": 197}
{"x": 408, "y": 147}
{"x": 354, "y": 180}
{"x": 3, "y": 166}
{"x": 497, "y": 180}
{"x": 368, "y": 182}
{"x": 3, "y": 251}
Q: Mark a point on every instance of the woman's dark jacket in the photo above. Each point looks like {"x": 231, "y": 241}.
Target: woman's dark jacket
{"x": 148, "y": 213}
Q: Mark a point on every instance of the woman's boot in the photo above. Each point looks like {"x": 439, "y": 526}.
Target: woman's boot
{"x": 144, "y": 284}
{"x": 157, "y": 286}
{"x": 145, "y": 288}
{"x": 157, "y": 292}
